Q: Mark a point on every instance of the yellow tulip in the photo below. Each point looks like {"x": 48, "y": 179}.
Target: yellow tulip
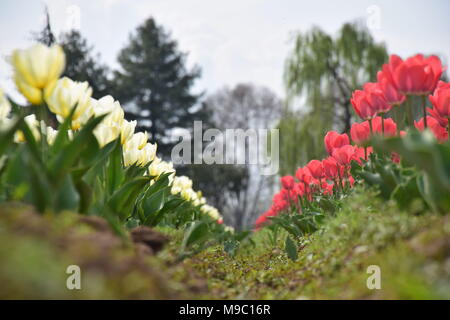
{"x": 140, "y": 157}
{"x": 37, "y": 69}
{"x": 158, "y": 167}
{"x": 127, "y": 131}
{"x": 137, "y": 141}
{"x": 181, "y": 183}
{"x": 130, "y": 157}
{"x": 69, "y": 94}
{"x": 211, "y": 211}
{"x": 147, "y": 154}
{"x": 105, "y": 134}
{"x": 107, "y": 105}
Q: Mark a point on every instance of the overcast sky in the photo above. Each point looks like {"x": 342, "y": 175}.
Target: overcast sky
{"x": 234, "y": 40}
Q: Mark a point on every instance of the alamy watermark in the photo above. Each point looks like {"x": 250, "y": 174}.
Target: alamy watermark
{"x": 373, "y": 21}
{"x": 374, "y": 280}
{"x": 73, "y": 281}
{"x": 258, "y": 147}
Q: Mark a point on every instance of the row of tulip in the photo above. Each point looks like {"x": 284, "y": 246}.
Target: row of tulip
{"x": 397, "y": 82}
{"x": 86, "y": 152}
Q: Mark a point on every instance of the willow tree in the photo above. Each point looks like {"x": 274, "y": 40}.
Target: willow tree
{"x": 320, "y": 75}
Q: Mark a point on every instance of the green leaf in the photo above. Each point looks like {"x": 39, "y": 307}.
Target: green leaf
{"x": 67, "y": 156}
{"x": 7, "y": 136}
{"x": 67, "y": 197}
{"x": 291, "y": 249}
{"x": 197, "y": 232}
{"x": 85, "y": 192}
{"x": 123, "y": 199}
{"x": 115, "y": 172}
{"x": 62, "y": 137}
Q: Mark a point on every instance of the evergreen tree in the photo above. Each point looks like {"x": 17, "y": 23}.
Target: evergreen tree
{"x": 155, "y": 85}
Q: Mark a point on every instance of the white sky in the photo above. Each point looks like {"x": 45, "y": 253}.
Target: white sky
{"x": 232, "y": 41}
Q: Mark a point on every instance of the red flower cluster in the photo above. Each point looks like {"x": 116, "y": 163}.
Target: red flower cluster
{"x": 399, "y": 78}
{"x": 317, "y": 177}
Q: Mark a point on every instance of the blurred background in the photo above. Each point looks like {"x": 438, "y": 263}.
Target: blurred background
{"x": 283, "y": 64}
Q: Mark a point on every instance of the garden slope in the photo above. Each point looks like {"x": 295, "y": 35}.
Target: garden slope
{"x": 412, "y": 250}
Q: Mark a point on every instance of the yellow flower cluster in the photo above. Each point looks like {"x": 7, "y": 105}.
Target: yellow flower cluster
{"x": 36, "y": 74}
{"x": 183, "y": 185}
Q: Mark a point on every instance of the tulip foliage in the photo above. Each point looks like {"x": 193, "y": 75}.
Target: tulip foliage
{"x": 405, "y": 165}
{"x": 68, "y": 151}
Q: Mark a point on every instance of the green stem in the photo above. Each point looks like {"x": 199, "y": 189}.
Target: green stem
{"x": 382, "y": 123}
{"x": 341, "y": 188}
{"x": 409, "y": 113}
{"x": 424, "y": 108}
{"x": 370, "y": 126}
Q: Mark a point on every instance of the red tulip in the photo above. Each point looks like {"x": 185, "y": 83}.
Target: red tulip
{"x": 361, "y": 106}
{"x": 441, "y": 99}
{"x": 376, "y": 97}
{"x": 335, "y": 140}
{"x": 370, "y": 101}
{"x": 360, "y": 132}
{"x": 330, "y": 168}
{"x": 280, "y": 201}
{"x": 344, "y": 155}
{"x": 439, "y": 132}
{"x": 288, "y": 182}
{"x": 299, "y": 189}
{"x": 303, "y": 175}
{"x": 390, "y": 127}
{"x": 316, "y": 169}
{"x": 392, "y": 95}
{"x": 327, "y": 188}
{"x": 442, "y": 121}
{"x": 416, "y": 75}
